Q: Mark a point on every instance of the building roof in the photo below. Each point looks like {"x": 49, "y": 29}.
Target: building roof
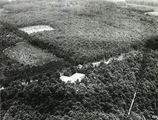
{"x": 73, "y": 78}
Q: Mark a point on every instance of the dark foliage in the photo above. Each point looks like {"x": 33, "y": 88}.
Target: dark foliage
{"x": 107, "y": 94}
{"x": 81, "y": 36}
{"x": 11, "y": 69}
{"x": 152, "y": 43}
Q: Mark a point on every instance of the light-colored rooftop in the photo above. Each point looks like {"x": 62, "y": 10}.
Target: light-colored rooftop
{"x": 73, "y": 78}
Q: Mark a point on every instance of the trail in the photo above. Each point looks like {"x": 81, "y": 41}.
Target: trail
{"x": 119, "y": 58}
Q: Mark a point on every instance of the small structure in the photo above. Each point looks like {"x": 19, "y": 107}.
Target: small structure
{"x": 73, "y": 78}
{"x": 65, "y": 79}
{"x": 77, "y": 76}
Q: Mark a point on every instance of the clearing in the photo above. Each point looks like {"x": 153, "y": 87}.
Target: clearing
{"x": 38, "y": 28}
{"x": 143, "y": 8}
{"x": 26, "y": 54}
{"x": 144, "y": 2}
{"x": 151, "y": 13}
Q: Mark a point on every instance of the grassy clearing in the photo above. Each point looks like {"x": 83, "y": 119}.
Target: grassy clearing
{"x": 152, "y": 13}
{"x": 140, "y": 8}
{"x": 24, "y": 7}
{"x": 28, "y": 55}
{"x": 23, "y": 59}
{"x": 34, "y": 29}
{"x": 144, "y": 2}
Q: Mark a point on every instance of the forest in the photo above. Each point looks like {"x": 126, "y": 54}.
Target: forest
{"x": 83, "y": 33}
{"x": 81, "y": 36}
{"x": 105, "y": 93}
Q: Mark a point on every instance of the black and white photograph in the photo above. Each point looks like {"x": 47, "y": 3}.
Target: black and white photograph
{"x": 79, "y": 59}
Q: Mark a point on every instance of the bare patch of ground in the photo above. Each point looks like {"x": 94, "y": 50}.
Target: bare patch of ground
{"x": 119, "y": 58}
{"x": 152, "y": 13}
{"x": 26, "y": 54}
{"x": 38, "y": 28}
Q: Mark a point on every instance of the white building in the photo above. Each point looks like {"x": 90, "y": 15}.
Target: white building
{"x": 73, "y": 78}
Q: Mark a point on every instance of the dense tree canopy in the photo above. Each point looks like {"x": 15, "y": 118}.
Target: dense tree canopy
{"x": 81, "y": 36}
{"x": 107, "y": 94}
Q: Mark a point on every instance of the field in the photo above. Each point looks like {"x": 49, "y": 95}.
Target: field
{"x": 19, "y": 58}
{"x": 29, "y": 55}
{"x": 34, "y": 29}
{"x": 144, "y": 2}
{"x": 112, "y": 43}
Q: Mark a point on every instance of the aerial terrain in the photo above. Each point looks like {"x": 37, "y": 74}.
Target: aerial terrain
{"x": 79, "y": 59}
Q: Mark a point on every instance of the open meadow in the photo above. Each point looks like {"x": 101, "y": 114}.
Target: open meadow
{"x": 108, "y": 48}
{"x": 29, "y": 55}
{"x": 144, "y": 2}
